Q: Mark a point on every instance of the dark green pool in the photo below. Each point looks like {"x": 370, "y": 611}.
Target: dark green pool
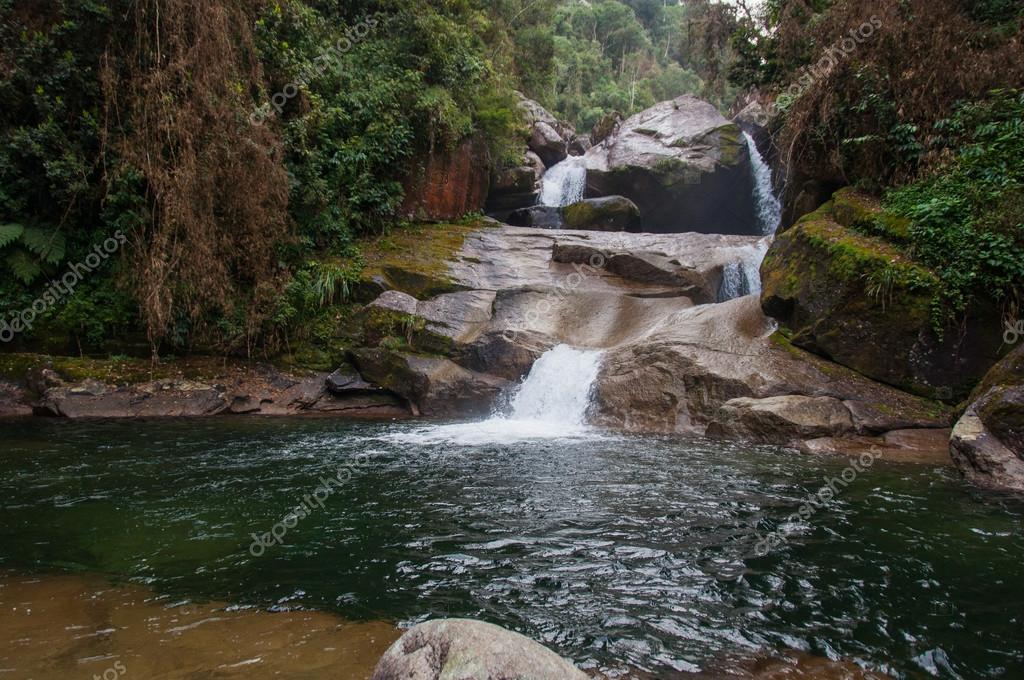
{"x": 614, "y": 551}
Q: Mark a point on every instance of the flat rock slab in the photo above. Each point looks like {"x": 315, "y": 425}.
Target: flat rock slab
{"x": 461, "y": 649}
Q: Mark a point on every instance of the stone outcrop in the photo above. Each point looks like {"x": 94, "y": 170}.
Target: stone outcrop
{"x": 462, "y": 649}
{"x": 857, "y": 300}
{"x": 448, "y": 184}
{"x": 549, "y": 137}
{"x": 264, "y": 392}
{"x": 987, "y": 444}
{"x": 683, "y": 164}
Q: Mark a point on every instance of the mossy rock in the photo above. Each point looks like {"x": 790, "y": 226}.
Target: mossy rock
{"x": 415, "y": 259}
{"x": 608, "y": 213}
{"x": 859, "y": 301}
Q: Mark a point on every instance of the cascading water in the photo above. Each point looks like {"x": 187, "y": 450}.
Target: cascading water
{"x": 551, "y": 403}
{"x": 769, "y": 209}
{"x": 743, "y": 277}
{"x": 565, "y": 183}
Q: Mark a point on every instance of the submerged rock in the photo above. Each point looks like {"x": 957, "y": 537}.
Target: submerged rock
{"x": 683, "y": 164}
{"x": 987, "y": 444}
{"x": 461, "y": 649}
{"x": 857, "y": 300}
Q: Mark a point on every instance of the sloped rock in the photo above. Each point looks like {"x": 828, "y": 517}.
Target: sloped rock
{"x": 680, "y": 376}
{"x": 462, "y": 649}
{"x": 684, "y": 165}
{"x": 440, "y": 324}
{"x": 548, "y": 144}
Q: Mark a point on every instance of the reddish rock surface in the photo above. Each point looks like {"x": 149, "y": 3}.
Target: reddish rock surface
{"x": 448, "y": 184}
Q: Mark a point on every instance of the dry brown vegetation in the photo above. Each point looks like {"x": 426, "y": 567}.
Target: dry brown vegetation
{"x": 216, "y": 187}
{"x": 926, "y": 56}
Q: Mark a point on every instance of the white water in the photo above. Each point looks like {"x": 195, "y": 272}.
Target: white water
{"x": 551, "y": 403}
{"x": 769, "y": 209}
{"x": 743, "y": 277}
{"x": 565, "y": 183}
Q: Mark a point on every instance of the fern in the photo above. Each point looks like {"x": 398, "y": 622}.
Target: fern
{"x": 23, "y": 266}
{"x": 49, "y": 245}
{"x": 9, "y": 233}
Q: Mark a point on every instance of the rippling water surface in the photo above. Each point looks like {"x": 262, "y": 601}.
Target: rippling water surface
{"x": 616, "y": 551}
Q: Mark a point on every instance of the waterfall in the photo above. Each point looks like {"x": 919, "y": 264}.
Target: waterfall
{"x": 769, "y": 210}
{"x": 564, "y": 183}
{"x": 557, "y": 390}
{"x": 551, "y": 403}
{"x": 743, "y": 275}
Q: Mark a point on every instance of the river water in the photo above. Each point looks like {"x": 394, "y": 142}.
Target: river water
{"x": 617, "y": 551}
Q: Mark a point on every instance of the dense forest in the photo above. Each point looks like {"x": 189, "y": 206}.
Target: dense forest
{"x": 243, "y": 151}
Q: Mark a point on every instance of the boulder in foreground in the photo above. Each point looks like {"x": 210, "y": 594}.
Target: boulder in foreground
{"x": 461, "y": 649}
{"x": 988, "y": 441}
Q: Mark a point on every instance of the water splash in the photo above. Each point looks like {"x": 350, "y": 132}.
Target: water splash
{"x": 769, "y": 209}
{"x": 551, "y": 403}
{"x": 743, "y": 276}
{"x": 565, "y": 183}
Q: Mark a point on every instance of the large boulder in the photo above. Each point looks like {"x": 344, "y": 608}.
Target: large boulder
{"x": 435, "y": 386}
{"x": 608, "y": 213}
{"x": 157, "y": 399}
{"x": 461, "y": 649}
{"x": 549, "y": 137}
{"x": 683, "y": 164}
{"x": 788, "y": 417}
{"x": 987, "y": 444}
{"x": 859, "y": 301}
{"x": 516, "y": 187}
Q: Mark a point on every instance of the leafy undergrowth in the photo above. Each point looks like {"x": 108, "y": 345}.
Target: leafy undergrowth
{"x": 967, "y": 217}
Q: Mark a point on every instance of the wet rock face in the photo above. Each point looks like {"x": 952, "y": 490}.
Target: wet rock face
{"x": 683, "y": 164}
{"x": 470, "y": 650}
{"x": 818, "y": 282}
{"x": 987, "y": 444}
{"x": 448, "y": 184}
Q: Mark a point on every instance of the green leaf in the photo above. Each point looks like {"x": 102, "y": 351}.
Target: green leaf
{"x": 9, "y": 233}
{"x": 47, "y": 244}
{"x": 24, "y": 266}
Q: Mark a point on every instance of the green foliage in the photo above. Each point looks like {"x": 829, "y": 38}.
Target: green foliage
{"x": 967, "y": 219}
{"x": 27, "y": 251}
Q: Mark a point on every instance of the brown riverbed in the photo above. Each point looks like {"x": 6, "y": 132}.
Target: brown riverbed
{"x": 79, "y": 626}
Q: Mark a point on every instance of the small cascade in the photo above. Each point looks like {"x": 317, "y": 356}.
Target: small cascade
{"x": 743, "y": 276}
{"x": 565, "y": 183}
{"x": 769, "y": 209}
{"x": 551, "y": 403}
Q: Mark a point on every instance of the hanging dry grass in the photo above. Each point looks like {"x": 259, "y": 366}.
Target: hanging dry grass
{"x": 926, "y": 56}
{"x": 182, "y": 93}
